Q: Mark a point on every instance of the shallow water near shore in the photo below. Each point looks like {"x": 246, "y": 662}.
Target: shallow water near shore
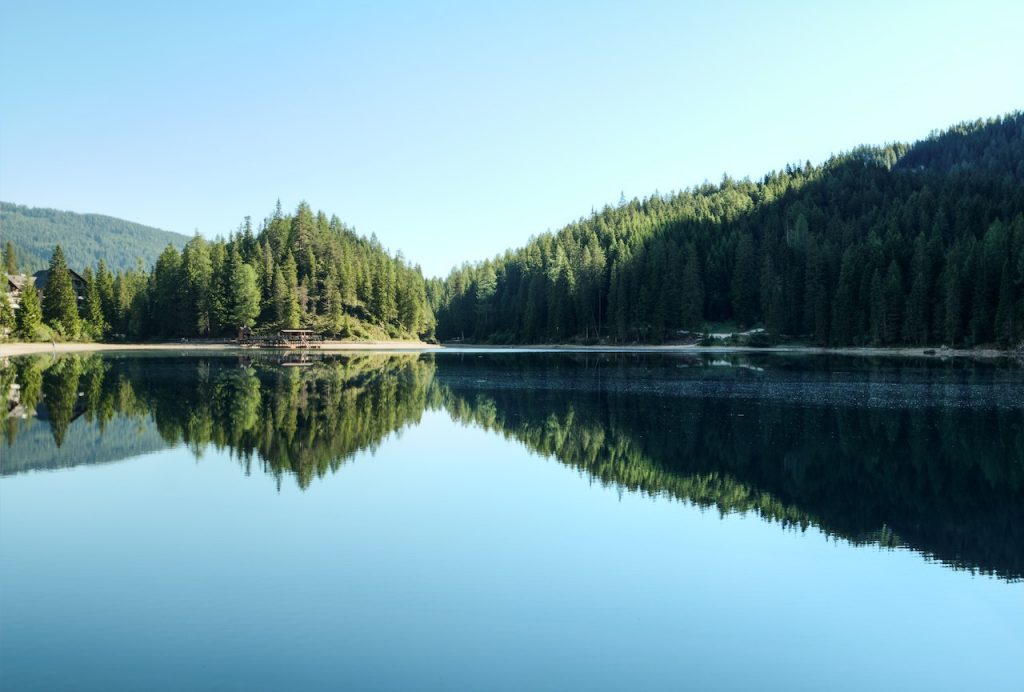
{"x": 511, "y": 520}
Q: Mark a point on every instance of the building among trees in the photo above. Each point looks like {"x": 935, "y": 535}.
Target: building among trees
{"x": 79, "y": 285}
{"x": 15, "y": 285}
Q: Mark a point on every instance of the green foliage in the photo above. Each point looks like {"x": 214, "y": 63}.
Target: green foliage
{"x": 890, "y": 246}
{"x": 196, "y": 277}
{"x": 243, "y": 298}
{"x": 286, "y": 293}
{"x": 93, "y": 322}
{"x": 10, "y": 258}
{"x": 86, "y": 238}
{"x": 29, "y": 316}
{"x": 60, "y": 302}
{"x": 302, "y": 270}
{"x": 7, "y": 318}
{"x": 885, "y": 246}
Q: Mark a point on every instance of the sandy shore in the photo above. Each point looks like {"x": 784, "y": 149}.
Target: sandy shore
{"x": 21, "y": 348}
{"x": 916, "y": 351}
{"x": 24, "y": 349}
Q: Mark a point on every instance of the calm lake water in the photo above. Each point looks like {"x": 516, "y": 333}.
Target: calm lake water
{"x": 511, "y": 521}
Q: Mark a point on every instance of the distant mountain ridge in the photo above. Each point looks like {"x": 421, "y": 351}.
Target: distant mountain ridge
{"x": 85, "y": 238}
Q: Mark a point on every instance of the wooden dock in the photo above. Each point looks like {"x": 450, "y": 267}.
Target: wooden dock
{"x": 305, "y": 339}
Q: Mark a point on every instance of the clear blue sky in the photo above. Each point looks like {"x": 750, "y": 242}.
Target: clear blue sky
{"x": 455, "y": 130}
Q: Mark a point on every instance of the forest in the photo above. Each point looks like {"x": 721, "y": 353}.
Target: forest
{"x": 887, "y": 246}
{"x": 85, "y": 238}
{"x": 882, "y": 246}
{"x": 297, "y": 270}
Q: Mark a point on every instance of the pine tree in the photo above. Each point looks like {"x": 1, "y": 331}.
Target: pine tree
{"x": 10, "y": 259}
{"x": 692, "y": 300}
{"x": 7, "y": 319}
{"x": 616, "y": 313}
{"x": 242, "y": 301}
{"x": 168, "y": 296}
{"x": 953, "y": 327}
{"x": 816, "y": 296}
{"x": 197, "y": 280}
{"x": 106, "y": 285}
{"x": 60, "y": 304}
{"x": 285, "y": 297}
{"x": 92, "y": 307}
{"x": 29, "y": 316}
{"x": 485, "y": 288}
{"x": 893, "y": 288}
{"x": 1005, "y": 324}
{"x": 844, "y": 307}
{"x": 878, "y": 311}
{"x": 744, "y": 282}
{"x": 334, "y": 311}
{"x": 919, "y": 301}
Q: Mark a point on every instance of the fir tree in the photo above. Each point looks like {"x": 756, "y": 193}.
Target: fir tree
{"x": 10, "y": 259}
{"x": 242, "y": 301}
{"x": 29, "y": 316}
{"x": 60, "y": 304}
{"x": 7, "y": 319}
{"x": 92, "y": 307}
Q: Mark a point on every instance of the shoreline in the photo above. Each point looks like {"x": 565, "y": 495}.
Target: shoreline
{"x": 903, "y": 351}
{"x": 34, "y": 348}
{"x": 24, "y": 348}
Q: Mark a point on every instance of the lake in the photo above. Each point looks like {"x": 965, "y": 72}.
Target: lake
{"x": 511, "y": 521}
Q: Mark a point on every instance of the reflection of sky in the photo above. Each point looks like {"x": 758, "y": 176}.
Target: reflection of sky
{"x": 452, "y": 558}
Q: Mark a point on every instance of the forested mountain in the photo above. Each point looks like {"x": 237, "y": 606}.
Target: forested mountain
{"x": 894, "y": 245}
{"x": 86, "y": 238}
{"x": 300, "y": 270}
{"x": 901, "y": 244}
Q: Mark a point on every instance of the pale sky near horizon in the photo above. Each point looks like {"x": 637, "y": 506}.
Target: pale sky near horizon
{"x": 455, "y": 130}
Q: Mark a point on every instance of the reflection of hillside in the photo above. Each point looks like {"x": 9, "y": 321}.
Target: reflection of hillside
{"x": 85, "y": 443}
{"x": 930, "y": 458}
{"x": 946, "y": 482}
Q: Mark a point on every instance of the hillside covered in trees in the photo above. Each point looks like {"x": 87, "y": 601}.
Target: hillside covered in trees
{"x": 892, "y": 245}
{"x": 896, "y": 245}
{"x": 85, "y": 238}
{"x": 299, "y": 270}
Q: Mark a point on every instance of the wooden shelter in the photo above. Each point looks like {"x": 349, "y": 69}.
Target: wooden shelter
{"x": 285, "y": 338}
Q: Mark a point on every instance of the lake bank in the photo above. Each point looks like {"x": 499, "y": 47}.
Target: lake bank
{"x": 29, "y": 348}
{"x": 21, "y": 348}
{"x": 915, "y": 351}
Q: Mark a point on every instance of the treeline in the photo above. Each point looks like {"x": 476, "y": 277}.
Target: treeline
{"x": 299, "y": 270}
{"x": 892, "y": 245}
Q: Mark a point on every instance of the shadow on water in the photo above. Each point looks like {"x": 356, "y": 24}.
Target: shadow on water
{"x": 898, "y": 453}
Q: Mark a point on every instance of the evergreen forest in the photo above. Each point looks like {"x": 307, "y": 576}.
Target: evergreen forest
{"x": 890, "y": 245}
{"x": 298, "y": 270}
{"x": 85, "y": 238}
{"x": 895, "y": 245}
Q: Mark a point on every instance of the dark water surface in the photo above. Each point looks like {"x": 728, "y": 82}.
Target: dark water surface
{"x": 511, "y": 521}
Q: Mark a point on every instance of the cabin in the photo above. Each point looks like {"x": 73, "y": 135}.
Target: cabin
{"x": 78, "y": 284}
{"x": 15, "y": 285}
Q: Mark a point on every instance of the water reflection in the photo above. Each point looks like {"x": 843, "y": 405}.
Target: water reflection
{"x": 895, "y": 453}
